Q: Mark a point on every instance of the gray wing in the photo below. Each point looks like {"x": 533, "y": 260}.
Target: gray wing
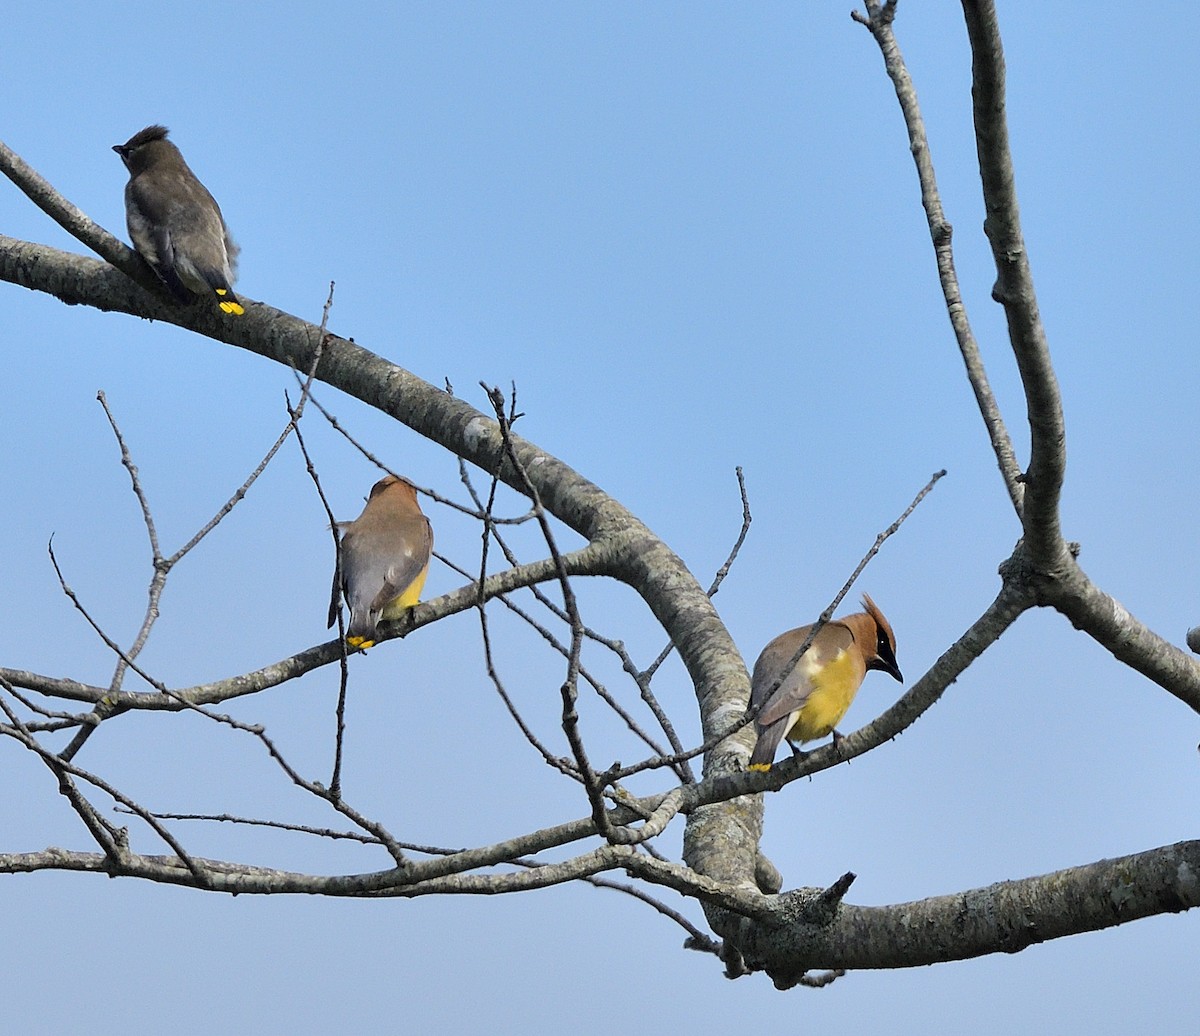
{"x": 363, "y": 572}
{"x": 407, "y": 563}
{"x": 335, "y": 596}
{"x": 794, "y": 691}
{"x": 146, "y": 218}
{"x": 177, "y": 226}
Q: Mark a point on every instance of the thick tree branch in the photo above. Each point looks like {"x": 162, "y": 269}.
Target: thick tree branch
{"x": 1129, "y": 640}
{"x": 786, "y": 935}
{"x": 1014, "y": 290}
{"x": 581, "y": 562}
{"x": 1002, "y": 918}
{"x": 73, "y": 220}
{"x": 790, "y": 934}
{"x": 629, "y": 551}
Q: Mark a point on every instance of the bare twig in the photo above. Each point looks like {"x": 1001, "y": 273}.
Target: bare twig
{"x": 275, "y": 825}
{"x": 66, "y": 719}
{"x": 880, "y": 25}
{"x": 437, "y": 497}
{"x": 642, "y": 680}
{"x": 697, "y": 939}
{"x": 113, "y": 841}
{"x": 722, "y": 572}
{"x": 380, "y": 833}
{"x": 602, "y": 692}
{"x": 643, "y": 677}
{"x": 335, "y": 782}
{"x": 570, "y": 685}
{"x": 827, "y": 614}
{"x": 485, "y": 509}
{"x": 162, "y": 565}
{"x": 563, "y": 766}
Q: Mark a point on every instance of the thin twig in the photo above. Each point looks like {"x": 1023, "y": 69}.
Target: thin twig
{"x": 684, "y": 771}
{"x": 277, "y": 825}
{"x": 570, "y": 686}
{"x": 643, "y": 677}
{"x": 335, "y": 781}
{"x": 563, "y": 766}
{"x": 161, "y": 565}
{"x": 601, "y": 691}
{"x": 722, "y": 572}
{"x": 433, "y": 495}
{"x": 697, "y": 939}
{"x": 111, "y": 840}
{"x": 335, "y": 800}
{"x": 879, "y": 23}
{"x": 69, "y": 719}
{"x": 827, "y": 614}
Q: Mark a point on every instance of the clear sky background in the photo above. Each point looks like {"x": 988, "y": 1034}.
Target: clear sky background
{"x": 691, "y": 235}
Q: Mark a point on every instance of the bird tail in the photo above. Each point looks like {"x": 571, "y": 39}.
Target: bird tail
{"x": 361, "y": 629}
{"x": 769, "y": 738}
{"x": 218, "y": 280}
{"x": 228, "y": 302}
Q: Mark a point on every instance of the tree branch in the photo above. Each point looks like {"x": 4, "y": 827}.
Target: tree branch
{"x": 1014, "y": 290}
{"x": 941, "y": 232}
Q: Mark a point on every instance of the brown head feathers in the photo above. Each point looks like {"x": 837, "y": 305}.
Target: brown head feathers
{"x": 148, "y": 134}
{"x": 874, "y": 636}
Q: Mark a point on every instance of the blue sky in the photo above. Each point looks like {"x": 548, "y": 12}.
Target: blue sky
{"x": 691, "y": 235}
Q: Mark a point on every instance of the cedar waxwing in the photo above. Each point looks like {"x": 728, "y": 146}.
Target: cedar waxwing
{"x": 383, "y": 560}
{"x": 174, "y": 222}
{"x": 822, "y": 684}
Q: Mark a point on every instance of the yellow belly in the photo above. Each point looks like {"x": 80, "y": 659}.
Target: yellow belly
{"x": 397, "y": 606}
{"x": 834, "y": 688}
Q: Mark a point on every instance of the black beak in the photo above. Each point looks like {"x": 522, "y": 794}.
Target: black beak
{"x": 886, "y": 662}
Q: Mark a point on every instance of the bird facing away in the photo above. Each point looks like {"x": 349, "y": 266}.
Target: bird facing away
{"x": 382, "y": 561}
{"x": 822, "y": 684}
{"x": 175, "y": 224}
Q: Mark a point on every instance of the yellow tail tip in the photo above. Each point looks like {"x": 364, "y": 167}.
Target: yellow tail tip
{"x": 228, "y": 305}
{"x": 360, "y": 642}
{"x": 760, "y": 767}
